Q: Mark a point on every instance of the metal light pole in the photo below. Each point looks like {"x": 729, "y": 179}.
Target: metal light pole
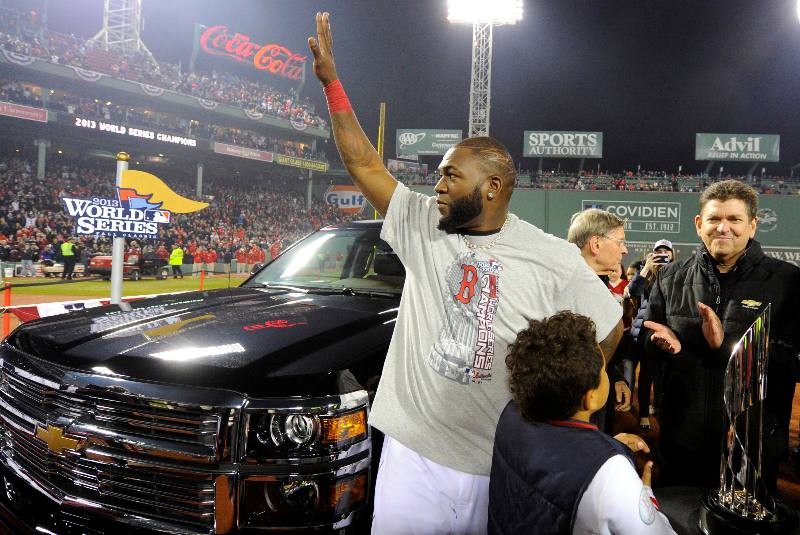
{"x": 480, "y": 90}
{"x": 118, "y": 244}
{"x": 122, "y": 26}
{"x": 483, "y": 16}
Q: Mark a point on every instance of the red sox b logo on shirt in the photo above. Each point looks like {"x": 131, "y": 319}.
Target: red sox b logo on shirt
{"x": 464, "y": 351}
{"x": 468, "y": 282}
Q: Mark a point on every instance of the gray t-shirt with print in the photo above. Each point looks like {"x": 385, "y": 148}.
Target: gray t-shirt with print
{"x": 444, "y": 381}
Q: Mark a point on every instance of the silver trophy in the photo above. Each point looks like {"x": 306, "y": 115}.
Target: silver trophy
{"x": 742, "y": 504}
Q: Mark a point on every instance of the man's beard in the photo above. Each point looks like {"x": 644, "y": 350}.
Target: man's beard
{"x": 461, "y": 212}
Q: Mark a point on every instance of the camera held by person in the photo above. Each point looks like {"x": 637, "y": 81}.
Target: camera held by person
{"x": 649, "y": 369}
{"x": 662, "y": 254}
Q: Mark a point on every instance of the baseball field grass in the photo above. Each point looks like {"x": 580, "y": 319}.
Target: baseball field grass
{"x": 93, "y": 288}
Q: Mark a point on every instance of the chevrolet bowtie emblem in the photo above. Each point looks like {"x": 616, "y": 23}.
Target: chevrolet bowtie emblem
{"x": 57, "y": 441}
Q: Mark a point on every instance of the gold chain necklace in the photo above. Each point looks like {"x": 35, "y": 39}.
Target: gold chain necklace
{"x": 476, "y": 247}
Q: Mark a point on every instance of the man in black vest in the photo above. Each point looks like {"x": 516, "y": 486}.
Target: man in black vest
{"x": 552, "y": 470}
{"x": 696, "y": 315}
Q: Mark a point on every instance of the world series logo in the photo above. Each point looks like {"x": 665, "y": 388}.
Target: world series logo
{"x": 133, "y": 214}
{"x": 130, "y": 215}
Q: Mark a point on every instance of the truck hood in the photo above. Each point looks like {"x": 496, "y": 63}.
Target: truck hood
{"x": 255, "y": 341}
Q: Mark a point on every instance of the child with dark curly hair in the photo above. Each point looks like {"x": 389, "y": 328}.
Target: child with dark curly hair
{"x": 553, "y": 471}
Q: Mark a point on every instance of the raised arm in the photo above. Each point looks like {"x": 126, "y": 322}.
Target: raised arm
{"x": 358, "y": 155}
{"x": 610, "y": 342}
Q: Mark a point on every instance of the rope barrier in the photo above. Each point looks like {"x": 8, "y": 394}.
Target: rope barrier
{"x": 50, "y": 283}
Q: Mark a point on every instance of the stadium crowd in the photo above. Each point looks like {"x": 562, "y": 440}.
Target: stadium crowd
{"x": 94, "y": 108}
{"x": 629, "y": 181}
{"x": 247, "y": 220}
{"x": 658, "y": 181}
{"x": 22, "y": 34}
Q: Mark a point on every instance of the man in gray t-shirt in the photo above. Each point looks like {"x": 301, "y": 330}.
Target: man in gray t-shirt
{"x": 475, "y": 276}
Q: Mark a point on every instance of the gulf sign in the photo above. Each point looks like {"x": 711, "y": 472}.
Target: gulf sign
{"x": 347, "y": 198}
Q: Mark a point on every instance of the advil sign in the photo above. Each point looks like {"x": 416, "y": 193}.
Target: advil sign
{"x": 348, "y": 199}
{"x": 737, "y": 147}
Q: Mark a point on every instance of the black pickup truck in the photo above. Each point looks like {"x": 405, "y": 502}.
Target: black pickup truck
{"x": 229, "y": 411}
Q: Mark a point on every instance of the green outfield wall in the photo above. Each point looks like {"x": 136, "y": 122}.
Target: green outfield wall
{"x": 651, "y": 216}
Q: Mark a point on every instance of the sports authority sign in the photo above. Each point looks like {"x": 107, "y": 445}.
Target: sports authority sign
{"x": 639, "y": 216}
{"x": 425, "y": 142}
{"x": 270, "y": 57}
{"x": 737, "y": 147}
{"x": 562, "y": 144}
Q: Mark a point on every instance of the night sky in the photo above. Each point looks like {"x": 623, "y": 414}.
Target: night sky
{"x": 648, "y": 74}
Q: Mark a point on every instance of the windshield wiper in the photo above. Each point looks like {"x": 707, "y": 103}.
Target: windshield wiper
{"x": 349, "y": 290}
{"x": 376, "y": 293}
{"x": 286, "y": 287}
{"x": 326, "y": 290}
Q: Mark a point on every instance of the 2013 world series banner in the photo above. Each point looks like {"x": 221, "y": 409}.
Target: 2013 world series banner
{"x": 142, "y": 203}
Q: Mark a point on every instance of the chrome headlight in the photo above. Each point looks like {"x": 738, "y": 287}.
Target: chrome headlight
{"x": 302, "y": 501}
{"x": 290, "y": 430}
{"x": 324, "y": 427}
{"x": 307, "y": 463}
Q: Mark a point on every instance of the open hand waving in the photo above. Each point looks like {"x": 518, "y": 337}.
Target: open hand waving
{"x": 322, "y": 49}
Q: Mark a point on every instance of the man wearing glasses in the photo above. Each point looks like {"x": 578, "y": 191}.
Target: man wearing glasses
{"x": 600, "y": 236}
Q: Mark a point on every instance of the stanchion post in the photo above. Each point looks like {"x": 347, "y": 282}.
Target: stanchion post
{"x": 118, "y": 243}
{"x": 6, "y": 313}
{"x": 202, "y": 278}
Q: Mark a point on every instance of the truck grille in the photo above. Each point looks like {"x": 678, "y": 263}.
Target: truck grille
{"x": 146, "y": 457}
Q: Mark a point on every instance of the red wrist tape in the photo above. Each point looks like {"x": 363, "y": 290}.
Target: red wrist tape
{"x": 336, "y": 97}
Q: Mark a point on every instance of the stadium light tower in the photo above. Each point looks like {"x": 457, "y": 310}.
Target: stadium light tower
{"x": 122, "y": 24}
{"x": 484, "y": 16}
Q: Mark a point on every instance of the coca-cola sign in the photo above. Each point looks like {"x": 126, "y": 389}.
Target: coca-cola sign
{"x": 272, "y": 57}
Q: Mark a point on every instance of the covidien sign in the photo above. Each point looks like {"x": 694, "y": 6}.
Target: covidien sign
{"x": 662, "y": 217}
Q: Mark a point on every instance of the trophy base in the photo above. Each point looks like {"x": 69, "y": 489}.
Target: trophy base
{"x": 714, "y": 520}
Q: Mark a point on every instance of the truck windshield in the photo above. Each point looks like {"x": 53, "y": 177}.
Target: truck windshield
{"x": 353, "y": 259}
